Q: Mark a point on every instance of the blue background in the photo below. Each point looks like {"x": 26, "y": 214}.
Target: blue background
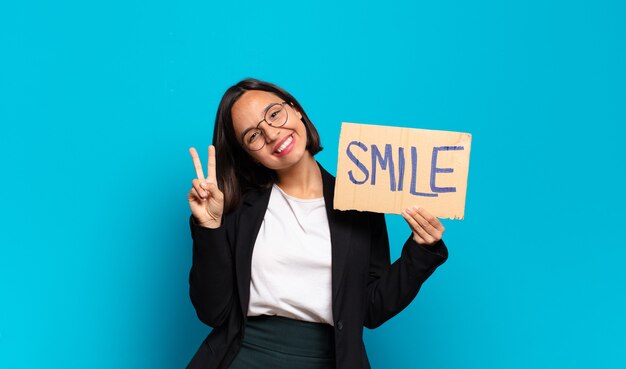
{"x": 100, "y": 101}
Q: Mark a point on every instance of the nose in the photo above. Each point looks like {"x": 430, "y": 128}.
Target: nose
{"x": 269, "y": 133}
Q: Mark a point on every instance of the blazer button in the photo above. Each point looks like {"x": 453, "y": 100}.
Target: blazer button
{"x": 340, "y": 325}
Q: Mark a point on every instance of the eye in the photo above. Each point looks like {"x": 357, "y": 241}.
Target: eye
{"x": 253, "y": 135}
{"x": 274, "y": 114}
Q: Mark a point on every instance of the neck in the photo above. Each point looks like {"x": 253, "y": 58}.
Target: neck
{"x": 302, "y": 180}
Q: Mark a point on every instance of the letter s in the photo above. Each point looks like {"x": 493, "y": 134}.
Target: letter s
{"x": 357, "y": 162}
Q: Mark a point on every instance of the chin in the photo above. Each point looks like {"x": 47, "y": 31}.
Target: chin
{"x": 294, "y": 157}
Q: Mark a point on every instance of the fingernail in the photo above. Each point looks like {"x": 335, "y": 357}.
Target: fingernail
{"x": 409, "y": 210}
{"x": 203, "y": 185}
{"x": 415, "y": 208}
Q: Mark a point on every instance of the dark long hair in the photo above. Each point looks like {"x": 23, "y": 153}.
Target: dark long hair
{"x": 236, "y": 171}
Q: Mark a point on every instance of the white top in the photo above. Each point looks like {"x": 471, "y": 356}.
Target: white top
{"x": 291, "y": 261}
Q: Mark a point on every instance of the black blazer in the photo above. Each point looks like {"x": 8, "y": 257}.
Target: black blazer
{"x": 366, "y": 289}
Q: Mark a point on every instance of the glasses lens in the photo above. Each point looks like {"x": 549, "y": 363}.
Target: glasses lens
{"x": 254, "y": 139}
{"x": 276, "y": 115}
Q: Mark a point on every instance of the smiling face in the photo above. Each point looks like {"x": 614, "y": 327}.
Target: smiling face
{"x": 285, "y": 145}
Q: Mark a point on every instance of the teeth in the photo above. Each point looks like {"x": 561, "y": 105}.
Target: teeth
{"x": 284, "y": 145}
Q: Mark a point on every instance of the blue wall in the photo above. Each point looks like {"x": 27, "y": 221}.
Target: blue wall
{"x": 99, "y": 102}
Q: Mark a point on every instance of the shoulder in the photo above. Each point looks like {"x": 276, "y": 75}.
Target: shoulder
{"x": 252, "y": 195}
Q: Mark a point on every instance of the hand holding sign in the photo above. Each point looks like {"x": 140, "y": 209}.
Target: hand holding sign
{"x": 205, "y": 198}
{"x": 427, "y": 229}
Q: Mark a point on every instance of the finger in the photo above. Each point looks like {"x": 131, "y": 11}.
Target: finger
{"x": 211, "y": 165}
{"x": 195, "y": 192}
{"x": 432, "y": 231}
{"x": 418, "y": 239}
{"x": 215, "y": 191}
{"x": 198, "y": 187}
{"x": 421, "y": 235}
{"x": 431, "y": 219}
{"x": 418, "y": 232}
{"x": 417, "y": 228}
{"x": 196, "y": 163}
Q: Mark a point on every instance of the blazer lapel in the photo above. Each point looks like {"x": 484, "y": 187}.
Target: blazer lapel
{"x": 254, "y": 207}
{"x": 340, "y": 232}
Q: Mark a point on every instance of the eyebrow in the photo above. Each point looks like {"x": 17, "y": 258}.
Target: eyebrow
{"x": 251, "y": 128}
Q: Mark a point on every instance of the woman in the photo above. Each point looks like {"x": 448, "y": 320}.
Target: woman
{"x": 285, "y": 280}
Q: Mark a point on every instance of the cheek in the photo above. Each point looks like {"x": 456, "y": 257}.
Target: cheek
{"x": 298, "y": 125}
{"x": 305, "y": 133}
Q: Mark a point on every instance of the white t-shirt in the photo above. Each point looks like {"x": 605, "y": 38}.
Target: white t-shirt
{"x": 291, "y": 261}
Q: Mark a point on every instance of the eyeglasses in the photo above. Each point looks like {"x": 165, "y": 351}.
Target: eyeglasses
{"x": 275, "y": 116}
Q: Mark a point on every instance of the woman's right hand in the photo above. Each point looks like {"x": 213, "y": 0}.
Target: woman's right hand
{"x": 205, "y": 198}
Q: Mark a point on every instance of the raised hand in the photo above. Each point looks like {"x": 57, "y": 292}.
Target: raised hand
{"x": 205, "y": 198}
{"x": 427, "y": 229}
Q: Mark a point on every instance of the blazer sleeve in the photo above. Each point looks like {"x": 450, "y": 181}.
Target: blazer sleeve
{"x": 392, "y": 287}
{"x": 212, "y": 275}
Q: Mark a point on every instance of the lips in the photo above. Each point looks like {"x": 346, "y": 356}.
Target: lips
{"x": 283, "y": 144}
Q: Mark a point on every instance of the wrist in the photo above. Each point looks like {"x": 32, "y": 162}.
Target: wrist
{"x": 211, "y": 224}
{"x": 422, "y": 243}
{"x": 207, "y": 223}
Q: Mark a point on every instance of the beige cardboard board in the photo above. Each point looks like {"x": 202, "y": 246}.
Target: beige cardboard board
{"x": 387, "y": 169}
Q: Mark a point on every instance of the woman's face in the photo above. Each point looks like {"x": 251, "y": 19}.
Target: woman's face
{"x": 283, "y": 146}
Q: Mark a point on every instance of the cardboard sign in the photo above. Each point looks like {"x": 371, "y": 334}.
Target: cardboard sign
{"x": 387, "y": 169}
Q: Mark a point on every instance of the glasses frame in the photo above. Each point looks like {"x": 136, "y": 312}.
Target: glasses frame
{"x": 243, "y": 136}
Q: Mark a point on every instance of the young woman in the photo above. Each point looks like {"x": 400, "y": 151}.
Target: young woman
{"x": 285, "y": 280}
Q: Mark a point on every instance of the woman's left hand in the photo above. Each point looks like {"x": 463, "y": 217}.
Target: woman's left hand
{"x": 427, "y": 229}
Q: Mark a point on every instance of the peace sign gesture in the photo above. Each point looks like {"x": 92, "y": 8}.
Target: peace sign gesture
{"x": 205, "y": 198}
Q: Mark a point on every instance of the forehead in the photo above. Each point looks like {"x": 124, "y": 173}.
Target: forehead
{"x": 252, "y": 104}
